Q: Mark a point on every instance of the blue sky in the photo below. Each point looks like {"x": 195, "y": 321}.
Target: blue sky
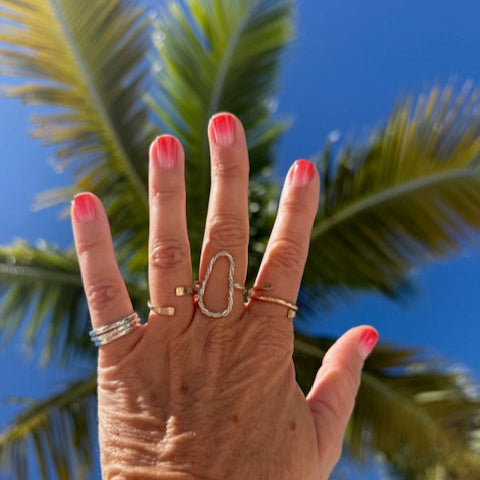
{"x": 351, "y": 62}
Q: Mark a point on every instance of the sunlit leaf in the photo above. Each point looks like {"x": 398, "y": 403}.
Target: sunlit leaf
{"x": 414, "y": 411}
{"x": 222, "y": 56}
{"x": 60, "y": 428}
{"x": 410, "y": 196}
{"x": 41, "y": 296}
{"x": 88, "y": 59}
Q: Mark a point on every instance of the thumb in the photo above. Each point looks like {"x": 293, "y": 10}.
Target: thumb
{"x": 332, "y": 396}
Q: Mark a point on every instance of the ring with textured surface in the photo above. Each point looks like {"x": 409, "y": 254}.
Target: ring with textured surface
{"x": 168, "y": 311}
{"x": 113, "y": 331}
{"x": 292, "y": 308}
{"x": 232, "y": 286}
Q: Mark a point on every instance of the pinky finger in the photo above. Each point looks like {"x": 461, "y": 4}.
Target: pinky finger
{"x": 106, "y": 293}
{"x": 332, "y": 396}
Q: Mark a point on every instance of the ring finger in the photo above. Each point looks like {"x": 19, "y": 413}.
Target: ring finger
{"x": 282, "y": 266}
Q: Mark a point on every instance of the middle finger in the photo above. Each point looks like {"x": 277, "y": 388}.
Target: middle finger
{"x": 227, "y": 226}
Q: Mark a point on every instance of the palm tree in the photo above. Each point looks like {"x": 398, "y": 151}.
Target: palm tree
{"x": 115, "y": 78}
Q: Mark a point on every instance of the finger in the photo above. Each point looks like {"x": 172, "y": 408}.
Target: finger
{"x": 107, "y": 296}
{"x": 169, "y": 263}
{"x": 227, "y": 227}
{"x": 332, "y": 396}
{"x": 284, "y": 259}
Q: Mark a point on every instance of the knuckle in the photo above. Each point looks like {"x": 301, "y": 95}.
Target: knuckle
{"x": 287, "y": 254}
{"x": 229, "y": 170}
{"x": 228, "y": 230}
{"x": 293, "y": 207}
{"x": 102, "y": 294}
{"x": 162, "y": 195}
{"x": 329, "y": 407}
{"x": 344, "y": 372}
{"x": 86, "y": 245}
{"x": 274, "y": 334}
{"x": 217, "y": 342}
{"x": 169, "y": 255}
{"x": 341, "y": 399}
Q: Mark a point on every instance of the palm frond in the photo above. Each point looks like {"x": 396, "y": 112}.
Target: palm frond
{"x": 88, "y": 59}
{"x": 222, "y": 56}
{"x": 59, "y": 430}
{"x": 41, "y": 291}
{"x": 43, "y": 301}
{"x": 417, "y": 414}
{"x": 411, "y": 195}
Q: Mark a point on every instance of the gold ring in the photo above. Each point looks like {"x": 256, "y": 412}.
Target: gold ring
{"x": 167, "y": 311}
{"x": 292, "y": 308}
{"x": 183, "y": 290}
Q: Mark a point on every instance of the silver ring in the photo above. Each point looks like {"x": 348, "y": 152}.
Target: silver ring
{"x": 201, "y": 285}
{"x": 108, "y": 333}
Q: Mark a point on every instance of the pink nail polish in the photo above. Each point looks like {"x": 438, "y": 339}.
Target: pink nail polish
{"x": 164, "y": 151}
{"x": 84, "y": 207}
{"x": 223, "y": 128}
{"x": 302, "y": 173}
{"x": 368, "y": 340}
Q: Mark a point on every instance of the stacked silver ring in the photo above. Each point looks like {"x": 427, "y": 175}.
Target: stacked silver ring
{"x": 109, "y": 333}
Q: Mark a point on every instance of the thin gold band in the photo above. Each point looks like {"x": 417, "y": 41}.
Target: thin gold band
{"x": 183, "y": 290}
{"x": 167, "y": 311}
{"x": 292, "y": 308}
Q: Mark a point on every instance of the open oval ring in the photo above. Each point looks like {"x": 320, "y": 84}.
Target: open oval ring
{"x": 231, "y": 286}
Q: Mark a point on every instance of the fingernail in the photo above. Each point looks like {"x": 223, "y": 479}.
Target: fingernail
{"x": 164, "y": 151}
{"x": 302, "y": 173}
{"x": 84, "y": 207}
{"x": 223, "y": 128}
{"x": 368, "y": 340}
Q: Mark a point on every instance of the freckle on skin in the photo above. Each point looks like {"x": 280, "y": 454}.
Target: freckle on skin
{"x": 184, "y": 388}
{"x": 153, "y": 398}
{"x": 293, "y": 425}
{"x": 235, "y": 419}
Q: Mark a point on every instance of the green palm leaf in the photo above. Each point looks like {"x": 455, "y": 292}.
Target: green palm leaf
{"x": 214, "y": 57}
{"x": 41, "y": 289}
{"x": 413, "y": 194}
{"x": 88, "y": 58}
{"x": 60, "y": 429}
{"x": 42, "y": 299}
{"x": 417, "y": 414}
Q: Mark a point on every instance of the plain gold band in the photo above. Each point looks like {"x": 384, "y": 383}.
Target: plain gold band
{"x": 167, "y": 311}
{"x": 183, "y": 290}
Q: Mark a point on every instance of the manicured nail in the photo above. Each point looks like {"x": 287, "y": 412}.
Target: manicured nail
{"x": 368, "y": 340}
{"x": 302, "y": 173}
{"x": 164, "y": 151}
{"x": 84, "y": 207}
{"x": 223, "y": 128}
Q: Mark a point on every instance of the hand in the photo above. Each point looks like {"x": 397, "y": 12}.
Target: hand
{"x": 193, "y": 397}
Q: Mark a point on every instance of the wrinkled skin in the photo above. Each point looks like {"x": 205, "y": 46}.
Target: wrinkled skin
{"x": 194, "y": 397}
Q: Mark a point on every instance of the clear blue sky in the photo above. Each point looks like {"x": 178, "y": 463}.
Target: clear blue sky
{"x": 349, "y": 65}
